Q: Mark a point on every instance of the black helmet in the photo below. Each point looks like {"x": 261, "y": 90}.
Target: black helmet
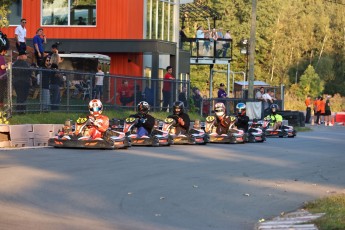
{"x": 274, "y": 108}
{"x": 143, "y": 107}
{"x": 178, "y": 107}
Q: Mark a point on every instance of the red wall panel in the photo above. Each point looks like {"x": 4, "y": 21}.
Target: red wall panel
{"x": 116, "y": 19}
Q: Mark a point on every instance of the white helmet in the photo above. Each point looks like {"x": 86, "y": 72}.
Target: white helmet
{"x": 219, "y": 109}
{"x": 95, "y": 107}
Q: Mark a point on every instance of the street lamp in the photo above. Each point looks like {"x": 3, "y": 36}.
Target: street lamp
{"x": 245, "y": 50}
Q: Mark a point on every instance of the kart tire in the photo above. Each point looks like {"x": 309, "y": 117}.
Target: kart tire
{"x": 192, "y": 140}
{"x": 251, "y": 139}
{"x": 155, "y": 142}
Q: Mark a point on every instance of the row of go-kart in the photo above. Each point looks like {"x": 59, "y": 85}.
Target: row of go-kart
{"x": 121, "y": 137}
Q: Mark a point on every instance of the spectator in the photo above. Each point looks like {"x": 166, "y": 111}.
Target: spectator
{"x": 322, "y": 107}
{"x": 200, "y": 34}
{"x": 20, "y": 35}
{"x": 81, "y": 21}
{"x": 226, "y": 44}
{"x": 21, "y": 81}
{"x": 99, "y": 77}
{"x": 221, "y": 93}
{"x": 183, "y": 36}
{"x": 197, "y": 99}
{"x": 38, "y": 41}
{"x": 167, "y": 88}
{"x": 45, "y": 81}
{"x": 259, "y": 93}
{"x": 328, "y": 112}
{"x": 55, "y": 82}
{"x": 318, "y": 110}
{"x": 316, "y": 102}
{"x": 3, "y": 75}
{"x": 125, "y": 93}
{"x": 207, "y": 43}
{"x": 205, "y": 106}
{"x": 308, "y": 109}
{"x": 183, "y": 96}
{"x": 267, "y": 101}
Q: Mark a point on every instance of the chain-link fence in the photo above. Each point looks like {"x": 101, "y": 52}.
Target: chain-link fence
{"x": 44, "y": 90}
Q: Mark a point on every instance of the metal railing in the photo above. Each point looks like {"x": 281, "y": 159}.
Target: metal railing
{"x": 76, "y": 89}
{"x": 208, "y": 48}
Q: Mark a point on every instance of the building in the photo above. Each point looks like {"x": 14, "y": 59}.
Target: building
{"x": 139, "y": 35}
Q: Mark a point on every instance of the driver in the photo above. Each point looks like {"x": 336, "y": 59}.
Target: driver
{"x": 275, "y": 118}
{"x": 100, "y": 123}
{"x": 223, "y": 121}
{"x": 182, "y": 119}
{"x": 145, "y": 122}
{"x": 242, "y": 118}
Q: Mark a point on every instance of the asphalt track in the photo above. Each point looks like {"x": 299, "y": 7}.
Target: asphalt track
{"x": 217, "y": 186}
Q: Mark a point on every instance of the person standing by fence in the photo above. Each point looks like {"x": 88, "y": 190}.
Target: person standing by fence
{"x": 99, "y": 83}
{"x": 21, "y": 80}
{"x": 20, "y": 34}
{"x": 3, "y": 75}
{"x": 55, "y": 82}
{"x": 167, "y": 88}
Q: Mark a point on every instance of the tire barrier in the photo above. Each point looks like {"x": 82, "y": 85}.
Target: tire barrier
{"x": 294, "y": 118}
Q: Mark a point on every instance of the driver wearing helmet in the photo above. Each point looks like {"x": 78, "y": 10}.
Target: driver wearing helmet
{"x": 145, "y": 122}
{"x": 275, "y": 118}
{"x": 182, "y": 119}
{"x": 223, "y": 121}
{"x": 242, "y": 118}
{"x": 100, "y": 123}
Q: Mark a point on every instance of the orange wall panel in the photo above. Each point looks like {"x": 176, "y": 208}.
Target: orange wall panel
{"x": 116, "y": 19}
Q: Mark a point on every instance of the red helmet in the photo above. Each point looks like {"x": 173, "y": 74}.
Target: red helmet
{"x": 95, "y": 107}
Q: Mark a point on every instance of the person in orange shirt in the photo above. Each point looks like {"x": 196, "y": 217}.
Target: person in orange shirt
{"x": 315, "y": 108}
{"x": 318, "y": 110}
{"x": 322, "y": 110}
{"x": 308, "y": 109}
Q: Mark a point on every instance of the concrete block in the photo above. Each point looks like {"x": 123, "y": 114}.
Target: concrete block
{"x": 4, "y": 144}
{"x": 41, "y": 141}
{"x": 4, "y": 128}
{"x": 22, "y": 142}
{"x": 43, "y": 130}
{"x": 21, "y": 132}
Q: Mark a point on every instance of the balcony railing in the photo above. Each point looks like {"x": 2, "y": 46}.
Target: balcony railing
{"x": 208, "y": 48}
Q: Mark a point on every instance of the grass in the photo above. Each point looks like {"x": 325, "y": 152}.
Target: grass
{"x": 334, "y": 209}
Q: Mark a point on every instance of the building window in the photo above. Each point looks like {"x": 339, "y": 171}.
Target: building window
{"x": 69, "y": 12}
{"x": 160, "y": 19}
{"x": 16, "y": 12}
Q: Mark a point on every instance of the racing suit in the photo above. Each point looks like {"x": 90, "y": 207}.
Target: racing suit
{"x": 222, "y": 124}
{"x": 100, "y": 124}
{"x": 275, "y": 118}
{"x": 242, "y": 122}
{"x": 182, "y": 123}
{"x": 145, "y": 124}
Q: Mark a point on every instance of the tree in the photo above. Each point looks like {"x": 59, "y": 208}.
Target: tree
{"x": 310, "y": 83}
{"x": 4, "y": 12}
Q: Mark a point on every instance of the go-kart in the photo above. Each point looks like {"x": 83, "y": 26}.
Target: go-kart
{"x": 77, "y": 136}
{"x": 193, "y": 136}
{"x": 155, "y": 138}
{"x": 283, "y": 131}
{"x": 233, "y": 136}
{"x": 255, "y": 133}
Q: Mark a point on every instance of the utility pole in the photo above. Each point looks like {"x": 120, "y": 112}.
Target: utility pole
{"x": 252, "y": 51}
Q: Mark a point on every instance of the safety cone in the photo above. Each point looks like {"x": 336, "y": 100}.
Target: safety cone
{"x": 332, "y": 122}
